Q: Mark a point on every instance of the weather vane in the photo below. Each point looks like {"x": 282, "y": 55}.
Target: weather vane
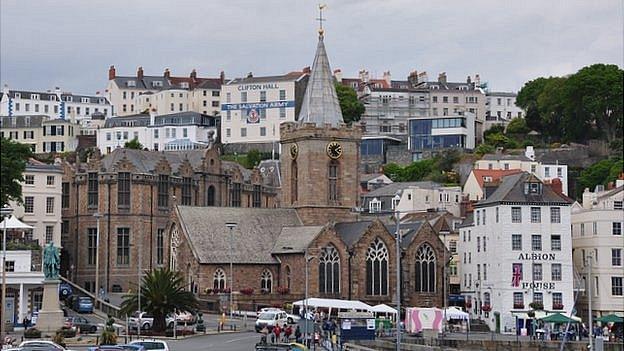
{"x": 321, "y": 19}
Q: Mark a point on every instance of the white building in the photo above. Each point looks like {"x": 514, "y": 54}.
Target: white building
{"x": 526, "y": 163}
{"x": 597, "y": 232}
{"x": 516, "y": 249}
{"x": 54, "y": 104}
{"x": 41, "y": 133}
{"x": 253, "y": 108}
{"x": 501, "y": 109}
{"x": 165, "y": 94}
{"x": 24, "y": 285}
{"x": 419, "y": 199}
{"x": 170, "y": 132}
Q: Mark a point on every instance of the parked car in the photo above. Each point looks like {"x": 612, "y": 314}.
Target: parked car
{"x": 180, "y": 318}
{"x": 124, "y": 347}
{"x": 290, "y": 318}
{"x": 41, "y": 345}
{"x": 152, "y": 344}
{"x": 80, "y": 322}
{"x": 81, "y": 304}
{"x": 147, "y": 320}
{"x": 270, "y": 319}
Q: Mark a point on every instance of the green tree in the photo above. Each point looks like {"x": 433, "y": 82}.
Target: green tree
{"x": 253, "y": 158}
{"x": 162, "y": 292}
{"x": 133, "y": 144}
{"x": 527, "y": 99}
{"x": 517, "y": 126}
{"x": 601, "y": 172}
{"x": 351, "y": 107}
{"x": 497, "y": 128}
{"x": 483, "y": 149}
{"x": 13, "y": 157}
{"x": 551, "y": 106}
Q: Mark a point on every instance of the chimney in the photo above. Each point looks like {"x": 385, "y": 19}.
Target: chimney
{"x": 530, "y": 153}
{"x": 111, "y": 73}
{"x": 387, "y": 77}
{"x": 140, "y": 73}
{"x": 477, "y": 81}
{"x": 307, "y": 70}
{"x": 338, "y": 75}
{"x": 364, "y": 75}
{"x": 468, "y": 80}
{"x": 222, "y": 77}
{"x": 442, "y": 78}
{"x": 422, "y": 77}
{"x": 250, "y": 75}
{"x": 413, "y": 78}
{"x": 167, "y": 73}
{"x": 556, "y": 186}
{"x": 194, "y": 74}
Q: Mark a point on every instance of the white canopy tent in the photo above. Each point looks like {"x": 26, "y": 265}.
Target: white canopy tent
{"x": 349, "y": 305}
{"x": 14, "y": 223}
{"x": 455, "y": 313}
{"x": 383, "y": 308}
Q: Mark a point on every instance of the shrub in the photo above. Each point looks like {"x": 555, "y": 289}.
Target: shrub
{"x": 483, "y": 149}
{"x": 67, "y": 332}
{"x": 32, "y": 333}
{"x": 517, "y": 126}
{"x": 108, "y": 338}
{"x": 58, "y": 338}
{"x": 536, "y": 305}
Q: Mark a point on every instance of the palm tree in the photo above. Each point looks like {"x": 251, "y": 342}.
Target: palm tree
{"x": 162, "y": 292}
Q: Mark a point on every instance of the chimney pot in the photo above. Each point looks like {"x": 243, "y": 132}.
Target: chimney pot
{"x": 194, "y": 74}
{"x": 167, "y": 73}
{"x": 111, "y": 72}
{"x": 140, "y": 73}
{"x": 222, "y": 77}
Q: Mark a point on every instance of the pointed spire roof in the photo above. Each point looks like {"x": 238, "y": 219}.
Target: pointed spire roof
{"x": 320, "y": 102}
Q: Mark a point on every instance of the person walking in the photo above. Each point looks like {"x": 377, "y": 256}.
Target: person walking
{"x": 277, "y": 331}
{"x": 298, "y": 334}
{"x": 287, "y": 332}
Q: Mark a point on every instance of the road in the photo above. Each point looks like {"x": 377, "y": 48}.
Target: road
{"x": 221, "y": 342}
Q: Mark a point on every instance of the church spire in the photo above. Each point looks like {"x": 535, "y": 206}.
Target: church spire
{"x": 320, "y": 102}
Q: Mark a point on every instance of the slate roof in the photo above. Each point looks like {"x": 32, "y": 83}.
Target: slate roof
{"x": 495, "y": 174}
{"x": 393, "y": 188}
{"x": 412, "y": 231}
{"x": 295, "y": 239}
{"x": 351, "y": 232}
{"x": 320, "y": 102}
{"x": 252, "y": 240}
{"x": 288, "y": 77}
{"x": 511, "y": 189}
{"x": 145, "y": 161}
{"x": 138, "y": 120}
{"x": 20, "y": 121}
{"x": 167, "y": 83}
{"x": 501, "y": 93}
{"x": 185, "y": 118}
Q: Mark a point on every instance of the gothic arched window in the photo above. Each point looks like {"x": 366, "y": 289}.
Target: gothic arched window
{"x": 218, "y": 280}
{"x": 329, "y": 271}
{"x": 377, "y": 268}
{"x": 210, "y": 196}
{"x": 425, "y": 279}
{"x": 332, "y": 176}
{"x": 294, "y": 174}
{"x": 287, "y": 277}
{"x": 266, "y": 281}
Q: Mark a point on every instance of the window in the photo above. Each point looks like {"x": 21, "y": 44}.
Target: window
{"x": 557, "y": 301}
{"x": 616, "y": 257}
{"x": 617, "y": 205}
{"x": 29, "y": 179}
{"x": 329, "y": 271}
{"x": 228, "y": 132}
{"x": 184, "y": 132}
{"x": 181, "y": 107}
{"x": 236, "y": 195}
{"x": 243, "y": 132}
{"x": 91, "y": 245}
{"x": 243, "y": 96}
{"x": 160, "y": 246}
{"x": 556, "y": 272}
{"x": 50, "y": 180}
{"x": 616, "y": 286}
{"x": 256, "y": 196}
{"x": 282, "y": 94}
{"x": 218, "y": 280}
{"x": 484, "y": 245}
{"x": 555, "y": 215}
{"x": 377, "y": 268}
{"x": 123, "y": 246}
{"x": 516, "y": 242}
{"x": 496, "y": 214}
{"x": 518, "y": 300}
{"x": 453, "y": 246}
{"x": 478, "y": 244}
{"x": 478, "y": 272}
{"x": 478, "y": 217}
{"x": 536, "y": 214}
{"x": 92, "y": 190}
{"x": 333, "y": 180}
{"x": 595, "y": 228}
{"x": 123, "y": 189}
{"x": 537, "y": 271}
{"x": 266, "y": 281}
{"x": 156, "y": 133}
{"x": 425, "y": 279}
{"x": 186, "y": 191}
{"x": 538, "y": 297}
{"x": 470, "y": 257}
{"x": 49, "y": 233}
{"x": 29, "y": 204}
{"x": 536, "y": 242}
{"x": 484, "y": 271}
{"x": 516, "y": 215}
{"x": 288, "y": 277}
{"x": 516, "y": 273}
{"x": 9, "y": 266}
{"x": 582, "y": 229}
{"x": 49, "y": 204}
{"x": 163, "y": 191}
{"x": 617, "y": 228}
{"x": 262, "y": 131}
{"x": 263, "y": 96}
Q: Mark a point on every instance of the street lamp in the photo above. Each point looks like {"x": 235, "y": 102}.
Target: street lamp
{"x": 444, "y": 281}
{"x": 397, "y": 235}
{"x": 231, "y": 226}
{"x": 305, "y": 302}
{"x": 5, "y": 212}
{"x": 97, "y": 216}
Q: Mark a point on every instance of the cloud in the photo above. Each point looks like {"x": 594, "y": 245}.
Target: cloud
{"x": 72, "y": 43}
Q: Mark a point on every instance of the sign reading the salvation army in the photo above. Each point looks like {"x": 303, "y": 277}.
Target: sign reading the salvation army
{"x": 253, "y": 117}
{"x": 257, "y": 105}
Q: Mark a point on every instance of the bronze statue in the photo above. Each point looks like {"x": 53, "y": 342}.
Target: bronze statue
{"x": 51, "y": 261}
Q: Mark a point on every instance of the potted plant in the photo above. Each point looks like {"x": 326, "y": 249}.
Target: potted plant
{"x": 538, "y": 306}
{"x": 518, "y": 306}
{"x": 486, "y": 308}
{"x": 557, "y": 306}
{"x": 531, "y": 314}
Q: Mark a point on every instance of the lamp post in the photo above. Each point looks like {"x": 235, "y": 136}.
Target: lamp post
{"x": 444, "y": 281}
{"x": 305, "y": 301}
{"x": 398, "y": 279}
{"x": 590, "y": 260}
{"x": 5, "y": 212}
{"x": 97, "y": 216}
{"x": 231, "y": 226}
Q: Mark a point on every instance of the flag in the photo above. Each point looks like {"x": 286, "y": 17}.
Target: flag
{"x": 516, "y": 275}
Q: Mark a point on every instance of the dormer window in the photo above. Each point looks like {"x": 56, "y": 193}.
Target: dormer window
{"x": 131, "y": 83}
{"x": 157, "y": 83}
{"x": 52, "y": 97}
{"x": 395, "y": 201}
{"x": 487, "y": 179}
{"x": 533, "y": 188}
{"x": 34, "y": 96}
{"x": 374, "y": 206}
{"x": 184, "y": 85}
{"x": 84, "y": 100}
{"x": 18, "y": 95}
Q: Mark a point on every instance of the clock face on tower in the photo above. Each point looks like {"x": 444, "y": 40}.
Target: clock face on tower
{"x": 294, "y": 151}
{"x": 334, "y": 150}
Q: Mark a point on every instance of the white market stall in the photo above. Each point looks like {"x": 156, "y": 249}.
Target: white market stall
{"x": 455, "y": 313}
{"x": 334, "y": 305}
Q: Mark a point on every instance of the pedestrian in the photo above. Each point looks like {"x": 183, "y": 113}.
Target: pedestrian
{"x": 264, "y": 332}
{"x": 287, "y": 332}
{"x": 298, "y": 334}
{"x": 277, "y": 331}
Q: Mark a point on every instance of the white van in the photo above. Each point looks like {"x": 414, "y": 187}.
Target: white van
{"x": 270, "y": 319}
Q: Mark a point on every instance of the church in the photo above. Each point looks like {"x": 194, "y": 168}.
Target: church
{"x": 317, "y": 226}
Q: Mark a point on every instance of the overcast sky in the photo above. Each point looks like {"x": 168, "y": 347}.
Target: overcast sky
{"x": 71, "y": 43}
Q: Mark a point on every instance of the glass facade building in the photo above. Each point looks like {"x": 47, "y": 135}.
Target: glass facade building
{"x": 423, "y": 138}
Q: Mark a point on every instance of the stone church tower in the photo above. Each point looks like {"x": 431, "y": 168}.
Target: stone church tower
{"x": 320, "y": 154}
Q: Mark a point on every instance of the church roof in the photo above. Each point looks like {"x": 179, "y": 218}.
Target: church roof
{"x": 253, "y": 239}
{"x": 320, "y": 102}
{"x": 146, "y": 161}
{"x": 295, "y": 239}
{"x": 351, "y": 232}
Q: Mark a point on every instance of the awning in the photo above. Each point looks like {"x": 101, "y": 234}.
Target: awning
{"x": 610, "y": 318}
{"x": 455, "y": 313}
{"x": 383, "y": 308}
{"x": 558, "y": 318}
{"x": 14, "y": 223}
{"x": 335, "y": 303}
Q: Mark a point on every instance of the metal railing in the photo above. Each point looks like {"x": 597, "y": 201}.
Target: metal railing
{"x": 105, "y": 307}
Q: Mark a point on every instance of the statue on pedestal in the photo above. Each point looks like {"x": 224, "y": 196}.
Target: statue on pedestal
{"x": 50, "y": 315}
{"x": 51, "y": 262}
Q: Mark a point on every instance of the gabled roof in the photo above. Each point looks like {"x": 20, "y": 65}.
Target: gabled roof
{"x": 288, "y": 77}
{"x": 393, "y": 188}
{"x": 495, "y": 174}
{"x": 253, "y": 238}
{"x": 145, "y": 161}
{"x": 320, "y": 102}
{"x": 512, "y": 189}
{"x": 351, "y": 232}
{"x": 295, "y": 239}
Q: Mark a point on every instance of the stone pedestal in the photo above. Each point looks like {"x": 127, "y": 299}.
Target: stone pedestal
{"x": 50, "y": 316}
